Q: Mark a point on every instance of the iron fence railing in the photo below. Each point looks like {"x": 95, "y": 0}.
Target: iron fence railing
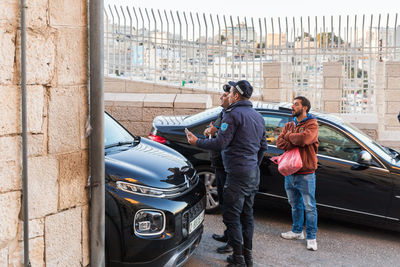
{"x": 205, "y": 51}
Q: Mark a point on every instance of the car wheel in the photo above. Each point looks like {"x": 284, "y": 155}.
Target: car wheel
{"x": 207, "y": 175}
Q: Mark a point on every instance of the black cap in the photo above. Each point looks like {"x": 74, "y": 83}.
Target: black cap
{"x": 244, "y": 87}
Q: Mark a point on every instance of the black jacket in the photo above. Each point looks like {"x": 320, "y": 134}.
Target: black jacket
{"x": 241, "y": 138}
{"x": 215, "y": 155}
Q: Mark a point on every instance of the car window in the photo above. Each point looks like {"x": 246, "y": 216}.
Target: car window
{"x": 334, "y": 143}
{"x": 382, "y": 151}
{"x": 273, "y": 126}
{"x": 114, "y": 133}
{"x": 199, "y": 129}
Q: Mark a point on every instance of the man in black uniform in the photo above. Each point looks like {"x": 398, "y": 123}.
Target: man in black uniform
{"x": 242, "y": 140}
{"x": 217, "y": 164}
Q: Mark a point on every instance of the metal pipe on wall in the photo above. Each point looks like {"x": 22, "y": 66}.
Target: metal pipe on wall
{"x": 96, "y": 141}
{"x": 24, "y": 126}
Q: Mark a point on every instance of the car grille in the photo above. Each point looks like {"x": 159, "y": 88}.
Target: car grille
{"x": 195, "y": 210}
{"x": 191, "y": 214}
{"x": 184, "y": 255}
{"x": 191, "y": 179}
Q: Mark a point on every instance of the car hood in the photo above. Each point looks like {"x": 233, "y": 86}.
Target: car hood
{"x": 149, "y": 165}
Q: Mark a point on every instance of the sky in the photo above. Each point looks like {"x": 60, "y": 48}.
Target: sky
{"x": 265, "y": 8}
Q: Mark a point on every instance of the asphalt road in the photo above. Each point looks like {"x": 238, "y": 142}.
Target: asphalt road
{"x": 339, "y": 244}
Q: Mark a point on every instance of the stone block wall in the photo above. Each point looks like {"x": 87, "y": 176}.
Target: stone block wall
{"x": 392, "y": 96}
{"x": 274, "y": 74}
{"x": 331, "y": 93}
{"x": 57, "y": 146}
{"x": 384, "y": 128}
{"x": 120, "y": 85}
{"x": 137, "y": 111}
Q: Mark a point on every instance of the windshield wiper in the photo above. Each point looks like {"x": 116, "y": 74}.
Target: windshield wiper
{"x": 120, "y": 144}
{"x": 394, "y": 153}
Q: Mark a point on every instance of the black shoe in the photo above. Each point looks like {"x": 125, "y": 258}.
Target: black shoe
{"x": 220, "y": 238}
{"x": 225, "y": 249}
{"x": 236, "y": 261}
{"x": 248, "y": 257}
{"x": 229, "y": 259}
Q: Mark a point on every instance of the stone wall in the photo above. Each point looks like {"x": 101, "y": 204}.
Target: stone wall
{"x": 120, "y": 85}
{"x": 57, "y": 147}
{"x": 331, "y": 95}
{"x": 392, "y": 96}
{"x": 137, "y": 111}
{"x": 382, "y": 126}
{"x": 390, "y": 106}
{"x": 274, "y": 74}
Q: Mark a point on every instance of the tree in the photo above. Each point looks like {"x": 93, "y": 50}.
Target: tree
{"x": 222, "y": 39}
{"x": 306, "y": 34}
{"x": 326, "y": 39}
{"x": 259, "y": 45}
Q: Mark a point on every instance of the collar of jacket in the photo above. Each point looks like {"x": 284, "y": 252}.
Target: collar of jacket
{"x": 309, "y": 117}
{"x": 239, "y": 103}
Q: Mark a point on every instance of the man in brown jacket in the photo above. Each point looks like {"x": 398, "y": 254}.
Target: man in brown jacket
{"x": 300, "y": 186}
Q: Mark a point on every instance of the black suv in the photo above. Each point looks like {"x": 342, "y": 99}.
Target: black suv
{"x": 357, "y": 178}
{"x": 154, "y": 201}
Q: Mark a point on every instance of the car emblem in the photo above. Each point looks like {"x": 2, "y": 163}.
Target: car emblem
{"x": 187, "y": 182}
{"x": 185, "y": 168}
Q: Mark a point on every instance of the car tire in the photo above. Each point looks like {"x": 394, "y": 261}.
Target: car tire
{"x": 207, "y": 175}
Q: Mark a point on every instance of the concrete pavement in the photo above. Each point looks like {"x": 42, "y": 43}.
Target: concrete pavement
{"x": 339, "y": 244}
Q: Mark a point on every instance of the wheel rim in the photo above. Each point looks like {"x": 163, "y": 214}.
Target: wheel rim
{"x": 211, "y": 189}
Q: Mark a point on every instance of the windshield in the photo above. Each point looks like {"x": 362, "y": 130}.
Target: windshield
{"x": 114, "y": 133}
{"x": 377, "y": 148}
{"x": 213, "y": 112}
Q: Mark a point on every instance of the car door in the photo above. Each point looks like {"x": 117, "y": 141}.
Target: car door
{"x": 344, "y": 184}
{"x": 271, "y": 181}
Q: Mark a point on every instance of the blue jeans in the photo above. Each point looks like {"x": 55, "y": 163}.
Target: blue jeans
{"x": 300, "y": 190}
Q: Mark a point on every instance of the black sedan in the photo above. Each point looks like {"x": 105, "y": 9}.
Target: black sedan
{"x": 357, "y": 179}
{"x": 154, "y": 201}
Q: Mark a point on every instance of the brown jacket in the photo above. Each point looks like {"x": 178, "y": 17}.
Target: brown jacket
{"x": 304, "y": 136}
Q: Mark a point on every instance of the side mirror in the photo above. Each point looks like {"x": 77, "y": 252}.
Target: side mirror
{"x": 364, "y": 158}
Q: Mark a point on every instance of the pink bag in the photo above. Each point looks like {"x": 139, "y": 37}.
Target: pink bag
{"x": 289, "y": 162}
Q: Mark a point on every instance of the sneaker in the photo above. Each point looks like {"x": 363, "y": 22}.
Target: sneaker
{"x": 292, "y": 235}
{"x": 312, "y": 244}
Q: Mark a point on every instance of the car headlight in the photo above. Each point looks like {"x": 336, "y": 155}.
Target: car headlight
{"x": 158, "y": 192}
{"x": 140, "y": 189}
{"x": 149, "y": 222}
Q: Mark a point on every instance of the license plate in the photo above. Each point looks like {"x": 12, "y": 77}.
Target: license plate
{"x": 196, "y": 222}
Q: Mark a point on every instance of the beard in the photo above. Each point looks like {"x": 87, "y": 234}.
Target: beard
{"x": 296, "y": 113}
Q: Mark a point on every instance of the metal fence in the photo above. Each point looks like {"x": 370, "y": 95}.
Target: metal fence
{"x": 205, "y": 51}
